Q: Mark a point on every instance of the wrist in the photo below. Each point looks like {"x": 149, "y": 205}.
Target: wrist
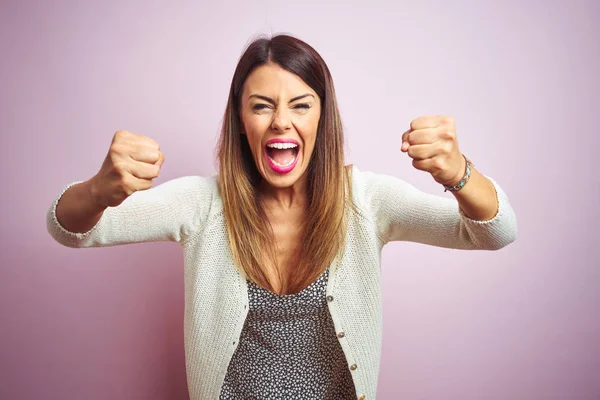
{"x": 92, "y": 195}
{"x": 462, "y": 180}
{"x": 460, "y": 174}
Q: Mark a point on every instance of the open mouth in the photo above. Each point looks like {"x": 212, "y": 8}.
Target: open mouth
{"x": 282, "y": 155}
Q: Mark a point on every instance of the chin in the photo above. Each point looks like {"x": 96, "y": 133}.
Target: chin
{"x": 282, "y": 181}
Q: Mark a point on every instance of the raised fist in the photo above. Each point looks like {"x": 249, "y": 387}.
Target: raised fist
{"x": 431, "y": 143}
{"x": 131, "y": 164}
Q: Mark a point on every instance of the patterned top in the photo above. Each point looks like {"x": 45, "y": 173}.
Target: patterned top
{"x": 288, "y": 349}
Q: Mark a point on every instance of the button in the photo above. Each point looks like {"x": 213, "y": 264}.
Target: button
{"x": 353, "y": 367}
{"x": 330, "y": 298}
{"x": 363, "y": 397}
{"x": 341, "y": 334}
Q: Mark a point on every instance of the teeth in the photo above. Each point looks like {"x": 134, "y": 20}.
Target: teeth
{"x": 282, "y": 145}
{"x": 283, "y": 165}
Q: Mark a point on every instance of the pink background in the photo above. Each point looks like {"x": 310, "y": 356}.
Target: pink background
{"x": 521, "y": 80}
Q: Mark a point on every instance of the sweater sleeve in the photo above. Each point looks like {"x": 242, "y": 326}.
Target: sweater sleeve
{"x": 401, "y": 212}
{"x": 171, "y": 211}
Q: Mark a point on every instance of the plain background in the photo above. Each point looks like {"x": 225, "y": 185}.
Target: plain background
{"x": 520, "y": 78}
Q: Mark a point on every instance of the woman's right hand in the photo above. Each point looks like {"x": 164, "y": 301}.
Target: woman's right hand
{"x": 131, "y": 164}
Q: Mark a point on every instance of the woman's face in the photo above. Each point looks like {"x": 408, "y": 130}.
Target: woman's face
{"x": 280, "y": 115}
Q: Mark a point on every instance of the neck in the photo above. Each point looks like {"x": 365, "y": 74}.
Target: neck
{"x": 284, "y": 198}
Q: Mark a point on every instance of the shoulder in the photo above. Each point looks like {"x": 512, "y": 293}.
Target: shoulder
{"x": 198, "y": 194}
{"x": 191, "y": 187}
{"x": 195, "y": 184}
{"x": 193, "y": 200}
{"x": 370, "y": 188}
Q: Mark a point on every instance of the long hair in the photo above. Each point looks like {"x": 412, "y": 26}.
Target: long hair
{"x": 251, "y": 237}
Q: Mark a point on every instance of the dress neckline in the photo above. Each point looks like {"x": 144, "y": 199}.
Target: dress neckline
{"x": 290, "y": 295}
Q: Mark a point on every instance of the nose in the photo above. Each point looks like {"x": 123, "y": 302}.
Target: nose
{"x": 281, "y": 120}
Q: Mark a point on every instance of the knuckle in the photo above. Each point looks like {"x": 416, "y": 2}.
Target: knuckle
{"x": 126, "y": 187}
{"x": 117, "y": 148}
{"x": 438, "y": 164}
{"x": 120, "y": 134}
{"x": 446, "y": 134}
{"x": 120, "y": 170}
{"x": 446, "y": 147}
{"x": 449, "y": 148}
{"x": 448, "y": 119}
{"x": 113, "y": 157}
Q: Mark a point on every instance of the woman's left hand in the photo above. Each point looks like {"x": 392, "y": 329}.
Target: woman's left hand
{"x": 431, "y": 143}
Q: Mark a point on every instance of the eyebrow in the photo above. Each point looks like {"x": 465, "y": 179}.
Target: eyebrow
{"x": 270, "y": 100}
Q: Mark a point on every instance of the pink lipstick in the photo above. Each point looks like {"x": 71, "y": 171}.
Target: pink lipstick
{"x": 282, "y": 154}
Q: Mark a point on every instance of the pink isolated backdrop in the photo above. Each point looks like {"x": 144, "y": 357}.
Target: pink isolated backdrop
{"x": 520, "y": 78}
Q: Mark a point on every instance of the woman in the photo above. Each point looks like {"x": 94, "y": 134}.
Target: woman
{"x": 282, "y": 248}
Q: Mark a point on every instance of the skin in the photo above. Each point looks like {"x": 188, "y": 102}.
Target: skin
{"x": 134, "y": 160}
{"x": 432, "y": 144}
{"x": 277, "y": 103}
{"x": 284, "y": 117}
{"x": 293, "y": 111}
{"x": 430, "y": 141}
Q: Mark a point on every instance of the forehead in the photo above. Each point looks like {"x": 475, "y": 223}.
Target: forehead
{"x": 273, "y": 81}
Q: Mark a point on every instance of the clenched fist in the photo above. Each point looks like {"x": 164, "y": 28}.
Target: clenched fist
{"x": 431, "y": 143}
{"x": 132, "y": 162}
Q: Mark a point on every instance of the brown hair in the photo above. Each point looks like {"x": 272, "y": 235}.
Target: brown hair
{"x": 324, "y": 231}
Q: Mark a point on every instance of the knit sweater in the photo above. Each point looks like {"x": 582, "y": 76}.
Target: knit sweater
{"x": 189, "y": 210}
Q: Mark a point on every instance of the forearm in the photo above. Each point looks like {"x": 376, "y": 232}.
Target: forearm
{"x": 76, "y": 211}
{"x": 478, "y": 198}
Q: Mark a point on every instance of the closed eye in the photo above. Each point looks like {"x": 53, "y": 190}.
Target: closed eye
{"x": 304, "y": 106}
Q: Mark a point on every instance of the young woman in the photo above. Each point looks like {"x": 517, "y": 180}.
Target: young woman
{"x": 282, "y": 248}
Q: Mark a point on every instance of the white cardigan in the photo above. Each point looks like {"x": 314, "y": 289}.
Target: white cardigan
{"x": 189, "y": 210}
